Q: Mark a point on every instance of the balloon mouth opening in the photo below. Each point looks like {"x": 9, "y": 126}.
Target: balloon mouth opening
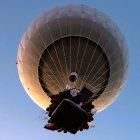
{"x": 58, "y": 65}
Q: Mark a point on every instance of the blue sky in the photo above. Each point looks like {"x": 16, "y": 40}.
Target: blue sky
{"x": 21, "y": 119}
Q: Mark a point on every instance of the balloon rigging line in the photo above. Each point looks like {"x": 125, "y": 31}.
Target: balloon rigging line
{"x": 42, "y": 68}
{"x": 50, "y": 56}
{"x": 63, "y": 48}
{"x": 97, "y": 89}
{"x": 106, "y": 71}
{"x": 70, "y": 46}
{"x": 107, "y": 44}
{"x": 95, "y": 96}
{"x": 79, "y": 44}
{"x": 39, "y": 66}
{"x": 49, "y": 94}
{"x": 45, "y": 82}
{"x": 45, "y": 63}
{"x": 92, "y": 56}
{"x": 56, "y": 54}
{"x": 103, "y": 74}
{"x": 106, "y": 80}
{"x": 85, "y": 50}
{"x": 34, "y": 46}
{"x": 50, "y": 87}
{"x": 103, "y": 65}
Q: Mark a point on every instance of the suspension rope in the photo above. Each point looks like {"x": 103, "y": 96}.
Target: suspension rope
{"x": 104, "y": 64}
{"x": 35, "y": 48}
{"x": 104, "y": 81}
{"x": 70, "y": 46}
{"x": 63, "y": 48}
{"x": 50, "y": 57}
{"x": 50, "y": 87}
{"x": 98, "y": 89}
{"x": 107, "y": 44}
{"x": 79, "y": 44}
{"x": 85, "y": 50}
{"x": 114, "y": 74}
{"x": 56, "y": 55}
{"x": 107, "y": 70}
{"x": 38, "y": 66}
{"x": 92, "y": 57}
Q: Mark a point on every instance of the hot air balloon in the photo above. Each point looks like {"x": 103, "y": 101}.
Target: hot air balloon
{"x": 76, "y": 49}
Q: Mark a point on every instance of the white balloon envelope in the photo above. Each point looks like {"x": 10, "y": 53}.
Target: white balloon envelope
{"x": 73, "y": 38}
